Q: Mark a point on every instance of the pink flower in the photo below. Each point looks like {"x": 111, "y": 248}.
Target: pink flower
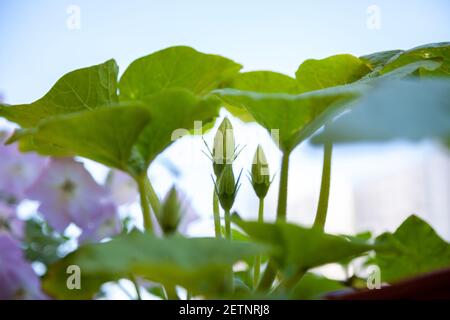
{"x": 17, "y": 277}
{"x": 9, "y": 222}
{"x": 17, "y": 171}
{"x": 122, "y": 187}
{"x": 68, "y": 194}
{"x": 106, "y": 224}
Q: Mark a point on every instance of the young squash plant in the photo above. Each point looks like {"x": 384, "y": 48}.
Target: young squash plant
{"x": 126, "y": 123}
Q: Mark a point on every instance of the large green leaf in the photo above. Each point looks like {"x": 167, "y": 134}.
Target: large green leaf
{"x": 412, "y": 69}
{"x": 398, "y": 109}
{"x": 295, "y": 117}
{"x": 173, "y": 112}
{"x": 329, "y": 72}
{"x": 379, "y": 59}
{"x": 388, "y": 61}
{"x": 197, "y": 264}
{"x": 314, "y": 287}
{"x": 301, "y": 248}
{"x": 105, "y": 135}
{"x": 439, "y": 52}
{"x": 82, "y": 89}
{"x": 418, "y": 249}
{"x": 262, "y": 82}
{"x": 175, "y": 67}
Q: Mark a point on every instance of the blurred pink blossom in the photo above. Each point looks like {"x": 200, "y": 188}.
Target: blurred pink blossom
{"x": 68, "y": 194}
{"x": 122, "y": 187}
{"x": 17, "y": 171}
{"x": 9, "y": 222}
{"x": 17, "y": 278}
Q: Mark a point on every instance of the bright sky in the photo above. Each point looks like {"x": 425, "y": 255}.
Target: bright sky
{"x": 38, "y": 48}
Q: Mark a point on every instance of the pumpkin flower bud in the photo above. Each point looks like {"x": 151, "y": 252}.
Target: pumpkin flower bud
{"x": 227, "y": 187}
{"x": 260, "y": 173}
{"x": 170, "y": 213}
{"x": 224, "y": 148}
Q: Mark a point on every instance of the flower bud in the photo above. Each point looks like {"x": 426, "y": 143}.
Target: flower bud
{"x": 224, "y": 147}
{"x": 226, "y": 187}
{"x": 170, "y": 213}
{"x": 260, "y": 173}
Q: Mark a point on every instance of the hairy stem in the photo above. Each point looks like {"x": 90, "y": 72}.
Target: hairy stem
{"x": 282, "y": 193}
{"x": 271, "y": 272}
{"x": 136, "y": 287}
{"x": 146, "y": 214}
{"x": 322, "y": 208}
{"x": 229, "y": 278}
{"x": 152, "y": 196}
{"x": 216, "y": 213}
{"x": 258, "y": 257}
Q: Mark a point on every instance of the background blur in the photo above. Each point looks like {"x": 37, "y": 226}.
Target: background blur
{"x": 374, "y": 186}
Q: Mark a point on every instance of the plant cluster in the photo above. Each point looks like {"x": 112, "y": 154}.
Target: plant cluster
{"x": 126, "y": 123}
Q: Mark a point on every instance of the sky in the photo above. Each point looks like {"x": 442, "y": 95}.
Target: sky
{"x": 40, "y": 42}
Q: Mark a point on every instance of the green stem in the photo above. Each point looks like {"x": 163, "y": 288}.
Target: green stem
{"x": 258, "y": 257}
{"x": 322, "y": 208}
{"x": 152, "y": 196}
{"x": 146, "y": 214}
{"x": 267, "y": 278}
{"x": 289, "y": 284}
{"x": 261, "y": 210}
{"x": 227, "y": 224}
{"x": 136, "y": 287}
{"x": 229, "y": 278}
{"x": 216, "y": 212}
{"x": 271, "y": 272}
{"x": 171, "y": 293}
{"x": 282, "y": 193}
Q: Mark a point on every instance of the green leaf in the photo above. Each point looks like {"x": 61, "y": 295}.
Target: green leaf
{"x": 329, "y": 72}
{"x": 41, "y": 243}
{"x": 418, "y": 249}
{"x": 314, "y": 287}
{"x": 82, "y": 89}
{"x": 379, "y": 59}
{"x": 389, "y": 61}
{"x": 408, "y": 70}
{"x": 439, "y": 52}
{"x": 365, "y": 236}
{"x": 262, "y": 82}
{"x": 173, "y": 112}
{"x": 175, "y": 67}
{"x": 197, "y": 264}
{"x": 105, "y": 135}
{"x": 295, "y": 117}
{"x": 301, "y": 248}
{"x": 398, "y": 109}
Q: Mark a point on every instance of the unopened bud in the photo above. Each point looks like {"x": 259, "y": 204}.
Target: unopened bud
{"x": 170, "y": 213}
{"x": 224, "y": 147}
{"x": 260, "y": 173}
{"x": 226, "y": 188}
